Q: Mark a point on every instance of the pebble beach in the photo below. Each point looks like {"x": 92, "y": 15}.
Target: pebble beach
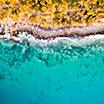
{"x": 18, "y": 31}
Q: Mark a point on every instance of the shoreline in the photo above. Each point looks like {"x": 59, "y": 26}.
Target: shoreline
{"x": 71, "y": 41}
{"x": 14, "y": 31}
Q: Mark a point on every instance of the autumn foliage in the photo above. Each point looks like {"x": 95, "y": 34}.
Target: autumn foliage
{"x": 53, "y": 12}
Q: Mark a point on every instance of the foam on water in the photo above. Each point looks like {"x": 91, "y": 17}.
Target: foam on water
{"x": 65, "y": 72}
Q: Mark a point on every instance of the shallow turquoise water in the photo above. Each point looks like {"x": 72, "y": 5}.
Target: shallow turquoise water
{"x": 55, "y": 74}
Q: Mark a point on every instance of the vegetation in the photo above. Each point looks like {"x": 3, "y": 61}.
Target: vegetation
{"x": 53, "y": 12}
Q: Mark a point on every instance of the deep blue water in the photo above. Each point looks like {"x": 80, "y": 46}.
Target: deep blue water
{"x": 54, "y": 74}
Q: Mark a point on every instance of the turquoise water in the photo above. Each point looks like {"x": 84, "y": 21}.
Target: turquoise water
{"x": 60, "y": 73}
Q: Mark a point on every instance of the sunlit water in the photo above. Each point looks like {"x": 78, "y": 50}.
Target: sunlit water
{"x": 60, "y": 73}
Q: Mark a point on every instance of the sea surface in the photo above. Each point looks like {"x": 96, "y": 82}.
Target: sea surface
{"x": 60, "y": 73}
